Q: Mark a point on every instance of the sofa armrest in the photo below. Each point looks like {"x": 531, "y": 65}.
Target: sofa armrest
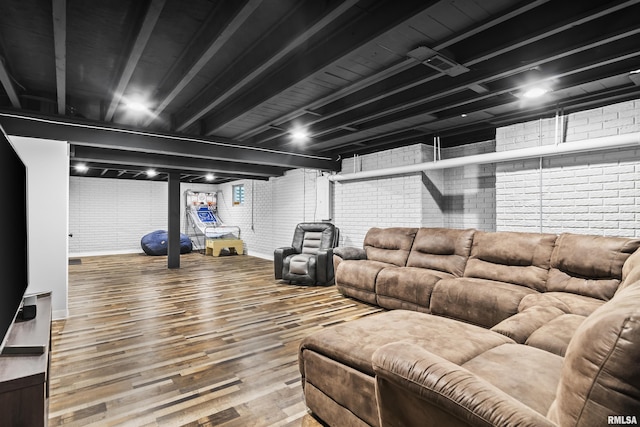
{"x": 279, "y": 254}
{"x": 418, "y": 388}
{"x": 630, "y": 270}
{"x": 350, "y": 252}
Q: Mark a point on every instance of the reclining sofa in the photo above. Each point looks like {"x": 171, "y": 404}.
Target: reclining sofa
{"x": 482, "y": 329}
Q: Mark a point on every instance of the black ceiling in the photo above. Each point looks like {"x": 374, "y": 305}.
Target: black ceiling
{"x": 227, "y": 80}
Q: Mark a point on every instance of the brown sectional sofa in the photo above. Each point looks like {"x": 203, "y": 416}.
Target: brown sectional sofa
{"x": 484, "y": 328}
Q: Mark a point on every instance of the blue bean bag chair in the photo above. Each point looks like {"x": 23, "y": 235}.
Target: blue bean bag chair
{"x": 157, "y": 242}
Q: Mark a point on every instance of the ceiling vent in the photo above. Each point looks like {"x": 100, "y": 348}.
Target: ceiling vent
{"x": 437, "y": 61}
{"x": 445, "y": 65}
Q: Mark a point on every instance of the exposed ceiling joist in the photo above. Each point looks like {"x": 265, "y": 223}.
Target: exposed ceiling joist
{"x": 147, "y": 26}
{"x": 390, "y": 71}
{"x": 239, "y": 12}
{"x": 59, "y": 11}
{"x": 330, "y": 49}
{"x": 7, "y": 84}
{"x": 434, "y": 93}
{"x": 290, "y": 29}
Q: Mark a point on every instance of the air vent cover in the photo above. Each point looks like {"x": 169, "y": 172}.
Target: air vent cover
{"x": 445, "y": 65}
{"x": 437, "y": 61}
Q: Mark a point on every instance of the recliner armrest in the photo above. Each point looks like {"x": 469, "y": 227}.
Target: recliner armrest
{"x": 324, "y": 266}
{"x": 350, "y": 252}
{"x": 418, "y": 388}
{"x": 279, "y": 254}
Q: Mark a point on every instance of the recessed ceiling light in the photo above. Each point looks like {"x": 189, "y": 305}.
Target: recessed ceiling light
{"x": 151, "y": 173}
{"x": 534, "y": 92}
{"x": 136, "y": 106}
{"x": 81, "y": 167}
{"x": 299, "y": 134}
{"x": 136, "y": 103}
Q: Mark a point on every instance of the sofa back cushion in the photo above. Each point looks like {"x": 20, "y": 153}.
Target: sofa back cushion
{"x": 589, "y": 265}
{"x": 442, "y": 249}
{"x": 512, "y": 257}
{"x": 390, "y": 245}
{"x": 601, "y": 374}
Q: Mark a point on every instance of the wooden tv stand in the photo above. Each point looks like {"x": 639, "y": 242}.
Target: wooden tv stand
{"x": 24, "y": 369}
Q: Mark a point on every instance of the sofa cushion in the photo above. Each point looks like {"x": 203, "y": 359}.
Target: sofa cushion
{"x": 407, "y": 287}
{"x": 589, "y": 265}
{"x": 442, "y": 249}
{"x": 521, "y": 325}
{"x": 357, "y": 278}
{"x": 555, "y": 335}
{"x": 519, "y": 258}
{"x": 479, "y": 301}
{"x": 601, "y": 373}
{"x": 416, "y": 388}
{"x": 353, "y": 343}
{"x": 390, "y": 245}
{"x": 568, "y": 303}
{"x": 528, "y": 374}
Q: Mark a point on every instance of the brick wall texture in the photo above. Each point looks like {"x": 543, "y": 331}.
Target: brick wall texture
{"x": 112, "y": 215}
{"x": 594, "y": 193}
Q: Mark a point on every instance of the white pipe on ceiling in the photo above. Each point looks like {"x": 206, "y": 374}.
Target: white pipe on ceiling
{"x": 604, "y": 143}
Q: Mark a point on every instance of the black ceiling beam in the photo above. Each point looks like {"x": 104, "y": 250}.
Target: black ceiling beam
{"x": 380, "y": 18}
{"x": 436, "y": 95}
{"x": 131, "y": 158}
{"x": 308, "y": 18}
{"x": 615, "y": 60}
{"x": 6, "y": 79}
{"x": 409, "y": 90}
{"x": 221, "y": 24}
{"x": 142, "y": 38}
{"x": 114, "y": 170}
{"x": 519, "y": 16}
{"x": 98, "y": 134}
{"x": 482, "y": 130}
{"x": 59, "y": 13}
{"x": 539, "y": 24}
{"x": 384, "y": 75}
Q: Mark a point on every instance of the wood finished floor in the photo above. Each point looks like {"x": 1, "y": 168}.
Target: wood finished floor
{"x": 212, "y": 343}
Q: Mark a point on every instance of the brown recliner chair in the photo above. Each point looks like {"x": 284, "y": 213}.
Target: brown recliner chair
{"x": 309, "y": 259}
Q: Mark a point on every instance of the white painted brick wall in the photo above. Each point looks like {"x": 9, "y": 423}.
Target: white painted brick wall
{"x": 459, "y": 198}
{"x": 595, "y": 193}
{"x": 470, "y": 195}
{"x": 112, "y": 215}
{"x": 395, "y": 201}
{"x": 272, "y": 209}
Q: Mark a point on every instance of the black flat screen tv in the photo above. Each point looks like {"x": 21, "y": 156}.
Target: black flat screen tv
{"x": 14, "y": 256}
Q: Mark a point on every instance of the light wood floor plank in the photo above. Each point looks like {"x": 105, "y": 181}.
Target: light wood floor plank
{"x": 214, "y": 343}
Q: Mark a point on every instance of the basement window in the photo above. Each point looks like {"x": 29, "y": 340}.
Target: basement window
{"x": 238, "y": 195}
